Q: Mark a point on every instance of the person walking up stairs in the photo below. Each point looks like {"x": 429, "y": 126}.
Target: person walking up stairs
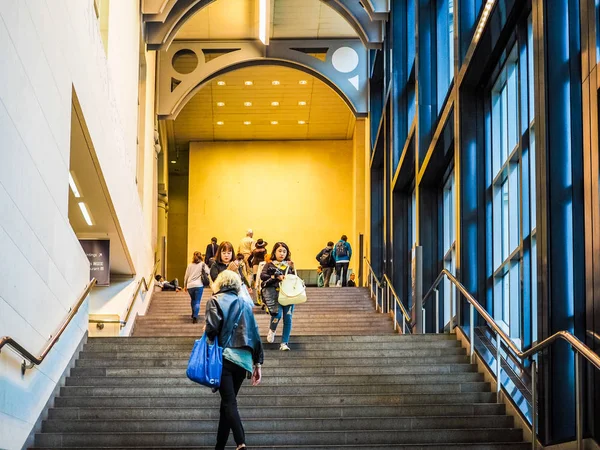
{"x": 348, "y": 383}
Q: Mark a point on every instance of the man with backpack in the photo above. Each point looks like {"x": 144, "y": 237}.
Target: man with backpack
{"x": 342, "y": 253}
{"x": 327, "y": 262}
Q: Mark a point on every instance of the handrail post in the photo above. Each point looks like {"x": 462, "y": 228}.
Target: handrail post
{"x": 578, "y": 401}
{"x": 451, "y": 325}
{"x": 395, "y": 310}
{"x": 533, "y": 404}
{"x": 498, "y": 369}
{"x": 403, "y": 325}
{"x": 437, "y": 311}
{"x": 472, "y": 331}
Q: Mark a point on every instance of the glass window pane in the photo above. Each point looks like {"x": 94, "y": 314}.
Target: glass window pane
{"x": 506, "y": 298}
{"x": 505, "y": 224}
{"x": 532, "y": 185}
{"x": 530, "y": 68}
{"x": 534, "y": 302}
{"x": 451, "y": 36}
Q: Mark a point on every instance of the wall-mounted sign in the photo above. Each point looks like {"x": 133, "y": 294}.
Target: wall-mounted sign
{"x": 98, "y": 253}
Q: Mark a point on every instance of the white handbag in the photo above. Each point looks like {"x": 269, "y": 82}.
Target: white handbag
{"x": 292, "y": 290}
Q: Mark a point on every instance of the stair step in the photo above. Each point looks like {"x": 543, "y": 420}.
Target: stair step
{"x": 283, "y": 438}
{"x": 313, "y": 411}
{"x": 282, "y": 371}
{"x": 182, "y": 380}
{"x": 447, "y": 446}
{"x": 412, "y": 338}
{"x": 288, "y": 400}
{"x": 278, "y": 424}
{"x": 299, "y": 389}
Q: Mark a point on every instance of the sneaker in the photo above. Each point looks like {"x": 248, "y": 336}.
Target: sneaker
{"x": 284, "y": 348}
{"x": 271, "y": 336}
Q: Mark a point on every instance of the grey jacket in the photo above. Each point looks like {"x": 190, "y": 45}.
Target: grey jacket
{"x": 221, "y": 313}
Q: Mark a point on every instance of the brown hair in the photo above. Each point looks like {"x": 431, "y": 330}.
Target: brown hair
{"x": 276, "y": 246}
{"x": 227, "y": 246}
{"x": 197, "y": 259}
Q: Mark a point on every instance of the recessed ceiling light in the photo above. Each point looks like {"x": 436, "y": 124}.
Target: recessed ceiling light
{"x": 275, "y": 83}
{"x": 221, "y": 83}
{"x": 73, "y": 186}
{"x": 248, "y": 83}
{"x": 274, "y": 122}
{"x": 301, "y": 103}
{"x": 85, "y": 213}
{"x": 247, "y": 103}
{"x": 173, "y": 162}
{"x": 220, "y": 122}
{"x": 303, "y": 82}
{"x": 220, "y": 104}
{"x": 274, "y": 103}
{"x": 247, "y": 122}
{"x": 301, "y": 122}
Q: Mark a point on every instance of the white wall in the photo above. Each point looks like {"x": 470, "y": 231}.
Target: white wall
{"x": 47, "y": 48}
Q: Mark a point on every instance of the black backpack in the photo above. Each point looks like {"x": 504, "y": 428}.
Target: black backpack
{"x": 325, "y": 259}
{"x": 340, "y": 249}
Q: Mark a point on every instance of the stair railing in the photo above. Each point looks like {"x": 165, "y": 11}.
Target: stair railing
{"x": 383, "y": 291}
{"x": 375, "y": 286}
{"x": 142, "y": 282}
{"x": 580, "y": 349}
{"x": 33, "y": 360}
{"x": 391, "y": 292}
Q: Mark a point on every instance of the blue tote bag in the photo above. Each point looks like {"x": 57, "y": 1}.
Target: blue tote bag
{"x": 206, "y": 363}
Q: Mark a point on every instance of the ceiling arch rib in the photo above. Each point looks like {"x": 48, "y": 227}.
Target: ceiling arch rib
{"x": 343, "y": 68}
{"x": 161, "y": 30}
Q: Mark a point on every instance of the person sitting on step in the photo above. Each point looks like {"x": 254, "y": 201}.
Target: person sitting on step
{"x": 166, "y": 285}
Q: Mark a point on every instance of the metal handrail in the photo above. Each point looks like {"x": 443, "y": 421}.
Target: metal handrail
{"x": 397, "y": 302}
{"x": 579, "y": 347}
{"x": 385, "y": 285}
{"x": 33, "y": 360}
{"x": 143, "y": 281}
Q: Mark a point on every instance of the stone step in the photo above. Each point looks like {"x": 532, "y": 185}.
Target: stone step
{"x": 270, "y": 354}
{"x": 125, "y": 346}
{"x": 306, "y": 389}
{"x": 390, "y": 337}
{"x": 396, "y": 446}
{"x": 282, "y": 371}
{"x": 182, "y": 331}
{"x": 276, "y": 424}
{"x": 303, "y": 412}
{"x": 305, "y": 438}
{"x": 287, "y": 400}
{"x": 182, "y": 380}
{"x": 282, "y": 361}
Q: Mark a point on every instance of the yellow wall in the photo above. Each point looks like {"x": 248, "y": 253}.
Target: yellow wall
{"x": 299, "y": 192}
{"x": 177, "y": 258}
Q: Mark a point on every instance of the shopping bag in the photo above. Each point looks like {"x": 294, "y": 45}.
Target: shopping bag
{"x": 292, "y": 290}
{"x": 206, "y": 362}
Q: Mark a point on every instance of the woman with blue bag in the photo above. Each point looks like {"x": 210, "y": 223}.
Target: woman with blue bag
{"x": 230, "y": 319}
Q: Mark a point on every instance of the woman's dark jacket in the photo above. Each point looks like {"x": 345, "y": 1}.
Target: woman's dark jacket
{"x": 221, "y": 311}
{"x": 218, "y": 267}
{"x": 271, "y": 270}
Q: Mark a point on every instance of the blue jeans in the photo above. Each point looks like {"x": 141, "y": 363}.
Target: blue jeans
{"x": 286, "y": 312}
{"x": 196, "y": 296}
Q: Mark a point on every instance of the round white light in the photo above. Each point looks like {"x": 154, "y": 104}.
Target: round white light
{"x": 220, "y": 104}
{"x": 221, "y": 83}
{"x": 248, "y": 83}
{"x": 247, "y": 103}
{"x": 345, "y": 59}
{"x": 301, "y": 122}
{"x": 220, "y": 122}
{"x": 275, "y": 83}
{"x": 303, "y": 82}
{"x": 301, "y": 103}
{"x": 274, "y": 103}
{"x": 274, "y": 122}
{"x": 247, "y": 122}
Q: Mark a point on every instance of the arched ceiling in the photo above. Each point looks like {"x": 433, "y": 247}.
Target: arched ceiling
{"x": 238, "y": 19}
{"x": 325, "y": 114}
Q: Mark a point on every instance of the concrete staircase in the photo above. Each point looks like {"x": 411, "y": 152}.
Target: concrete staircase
{"x": 348, "y": 383}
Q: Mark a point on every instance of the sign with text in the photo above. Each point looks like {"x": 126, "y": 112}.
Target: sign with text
{"x": 98, "y": 253}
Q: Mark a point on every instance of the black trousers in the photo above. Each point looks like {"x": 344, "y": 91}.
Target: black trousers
{"x": 342, "y": 272}
{"x": 232, "y": 378}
